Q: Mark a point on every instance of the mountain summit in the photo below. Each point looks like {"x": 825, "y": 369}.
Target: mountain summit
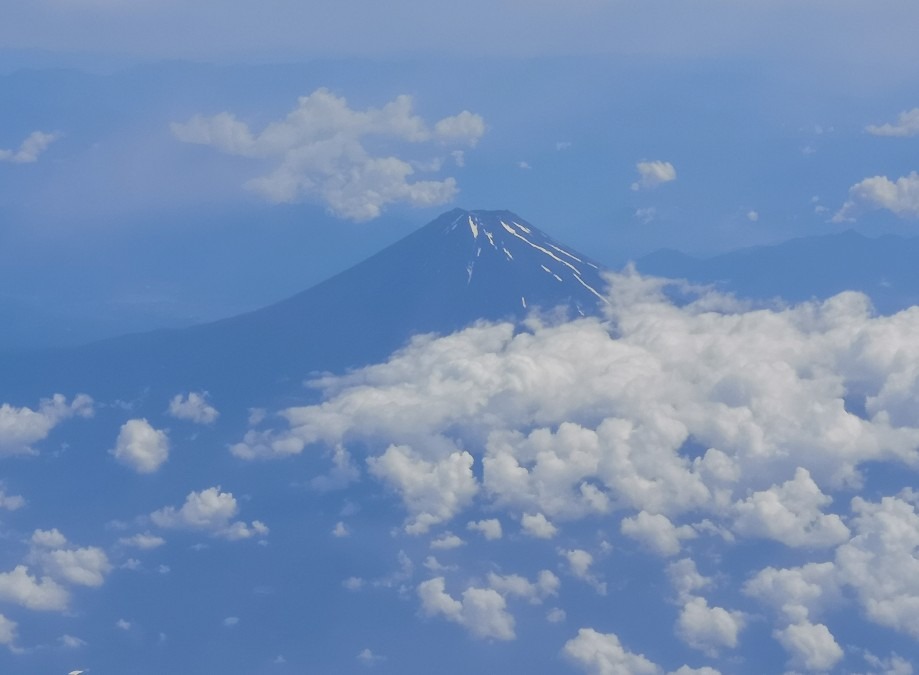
{"x": 462, "y": 267}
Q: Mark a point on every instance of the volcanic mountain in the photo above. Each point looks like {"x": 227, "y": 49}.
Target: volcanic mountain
{"x": 462, "y": 267}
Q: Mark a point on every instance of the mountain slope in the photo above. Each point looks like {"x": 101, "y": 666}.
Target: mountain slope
{"x": 463, "y": 266}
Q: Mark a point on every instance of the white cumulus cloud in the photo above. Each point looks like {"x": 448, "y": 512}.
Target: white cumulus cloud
{"x": 482, "y": 611}
{"x": 907, "y": 124}
{"x": 321, "y": 152}
{"x": 811, "y": 646}
{"x": 21, "y": 428}
{"x": 194, "y": 408}
{"x": 141, "y": 447}
{"x": 603, "y": 654}
{"x": 433, "y": 491}
{"x": 900, "y": 197}
{"x": 211, "y": 511}
{"x": 652, "y": 174}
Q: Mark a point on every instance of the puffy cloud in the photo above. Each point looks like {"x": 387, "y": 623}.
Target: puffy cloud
{"x": 433, "y": 491}
{"x": 8, "y": 631}
{"x": 194, "y": 408}
{"x": 602, "y": 654}
{"x": 799, "y": 593}
{"x": 790, "y": 513}
{"x": 907, "y": 124}
{"x": 657, "y": 532}
{"x": 490, "y": 528}
{"x": 482, "y": 611}
{"x": 22, "y": 588}
{"x": 210, "y": 511}
{"x": 708, "y": 628}
{"x": 86, "y": 566}
{"x": 514, "y": 585}
{"x": 20, "y": 428}
{"x": 30, "y": 148}
{"x": 11, "y": 502}
{"x": 368, "y": 658}
{"x": 447, "y": 541}
{"x": 141, "y": 447}
{"x": 322, "y": 155}
{"x": 652, "y": 174}
{"x": 81, "y": 566}
{"x": 811, "y": 646}
{"x": 881, "y": 562}
{"x": 900, "y": 197}
{"x": 711, "y": 409}
{"x": 537, "y": 525}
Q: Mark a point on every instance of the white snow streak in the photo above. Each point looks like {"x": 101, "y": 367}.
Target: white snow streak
{"x": 474, "y": 228}
{"x": 546, "y": 251}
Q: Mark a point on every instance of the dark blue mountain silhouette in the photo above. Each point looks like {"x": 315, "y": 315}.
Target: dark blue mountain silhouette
{"x": 462, "y": 267}
{"x": 810, "y": 267}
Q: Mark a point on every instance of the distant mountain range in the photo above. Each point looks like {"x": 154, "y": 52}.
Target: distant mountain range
{"x": 885, "y": 268}
{"x": 462, "y": 267}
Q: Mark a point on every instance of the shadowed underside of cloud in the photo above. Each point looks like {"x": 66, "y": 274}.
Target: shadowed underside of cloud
{"x": 321, "y": 152}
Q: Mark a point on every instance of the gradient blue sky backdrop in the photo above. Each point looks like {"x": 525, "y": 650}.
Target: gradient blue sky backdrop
{"x": 767, "y": 118}
{"x": 711, "y": 487}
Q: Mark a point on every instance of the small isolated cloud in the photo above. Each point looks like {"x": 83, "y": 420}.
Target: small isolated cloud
{"x": 368, "y": 658}
{"x": 210, "y": 511}
{"x": 11, "y": 502}
{"x": 538, "y": 526}
{"x": 30, "y": 149}
{"x": 646, "y": 214}
{"x": 753, "y": 216}
{"x": 71, "y": 642}
{"x": 900, "y": 197}
{"x": 341, "y": 530}
{"x": 562, "y": 145}
{"x": 141, "y": 447}
{"x": 194, "y": 408}
{"x": 907, "y": 124}
{"x": 482, "y": 611}
{"x": 534, "y": 592}
{"x": 21, "y": 428}
{"x": 144, "y": 541}
{"x": 490, "y": 529}
{"x": 231, "y": 621}
{"x": 446, "y": 541}
{"x": 321, "y": 152}
{"x": 556, "y": 615}
{"x": 523, "y": 165}
{"x": 123, "y": 624}
{"x": 652, "y": 174}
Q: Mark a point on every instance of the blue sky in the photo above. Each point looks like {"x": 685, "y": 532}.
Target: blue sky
{"x": 761, "y": 109}
{"x": 164, "y": 163}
